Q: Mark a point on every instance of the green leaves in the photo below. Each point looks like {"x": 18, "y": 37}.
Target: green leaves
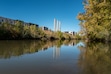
{"x": 19, "y": 31}
{"x": 96, "y": 20}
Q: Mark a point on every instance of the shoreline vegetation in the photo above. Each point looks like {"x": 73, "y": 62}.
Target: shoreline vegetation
{"x": 95, "y": 21}
{"x": 19, "y": 31}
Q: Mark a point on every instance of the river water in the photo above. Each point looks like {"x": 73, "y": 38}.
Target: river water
{"x": 54, "y": 57}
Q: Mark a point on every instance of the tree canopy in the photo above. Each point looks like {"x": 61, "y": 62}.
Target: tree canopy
{"x": 96, "y": 20}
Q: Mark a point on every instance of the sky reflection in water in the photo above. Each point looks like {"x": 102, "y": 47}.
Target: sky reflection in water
{"x": 56, "y": 57}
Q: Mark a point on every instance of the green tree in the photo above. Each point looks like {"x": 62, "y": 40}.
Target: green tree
{"x": 60, "y": 35}
{"x": 5, "y": 30}
{"x": 33, "y": 31}
{"x": 26, "y": 32}
{"x": 96, "y": 20}
{"x": 18, "y": 28}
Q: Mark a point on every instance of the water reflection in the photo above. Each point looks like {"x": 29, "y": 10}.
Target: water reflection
{"x": 18, "y": 48}
{"x": 95, "y": 58}
{"x": 55, "y": 57}
{"x": 38, "y": 57}
{"x": 57, "y": 47}
{"x": 56, "y": 52}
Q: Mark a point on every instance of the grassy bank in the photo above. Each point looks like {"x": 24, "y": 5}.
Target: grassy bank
{"x": 18, "y": 31}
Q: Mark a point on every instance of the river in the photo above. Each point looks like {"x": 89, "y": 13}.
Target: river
{"x": 54, "y": 57}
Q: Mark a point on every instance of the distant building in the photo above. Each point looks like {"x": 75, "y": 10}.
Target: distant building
{"x": 11, "y": 21}
{"x": 44, "y": 28}
{"x": 70, "y": 32}
{"x": 66, "y": 32}
{"x": 2, "y": 19}
{"x": 32, "y": 24}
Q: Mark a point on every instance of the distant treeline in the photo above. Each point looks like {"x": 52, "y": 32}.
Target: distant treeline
{"x": 19, "y": 31}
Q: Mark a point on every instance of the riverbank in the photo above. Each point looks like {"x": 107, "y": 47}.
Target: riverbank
{"x": 19, "y": 31}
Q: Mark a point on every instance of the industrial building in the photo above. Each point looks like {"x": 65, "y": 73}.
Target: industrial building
{"x": 12, "y": 22}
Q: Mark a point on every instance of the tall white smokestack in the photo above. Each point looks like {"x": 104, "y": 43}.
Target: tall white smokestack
{"x": 55, "y": 22}
{"x": 59, "y": 26}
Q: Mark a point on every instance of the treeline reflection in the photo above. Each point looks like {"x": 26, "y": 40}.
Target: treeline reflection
{"x": 17, "y": 48}
{"x": 95, "y": 58}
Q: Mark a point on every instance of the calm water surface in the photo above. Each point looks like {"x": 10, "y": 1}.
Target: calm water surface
{"x": 54, "y": 57}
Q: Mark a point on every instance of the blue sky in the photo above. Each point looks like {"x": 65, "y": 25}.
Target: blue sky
{"x": 43, "y": 12}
